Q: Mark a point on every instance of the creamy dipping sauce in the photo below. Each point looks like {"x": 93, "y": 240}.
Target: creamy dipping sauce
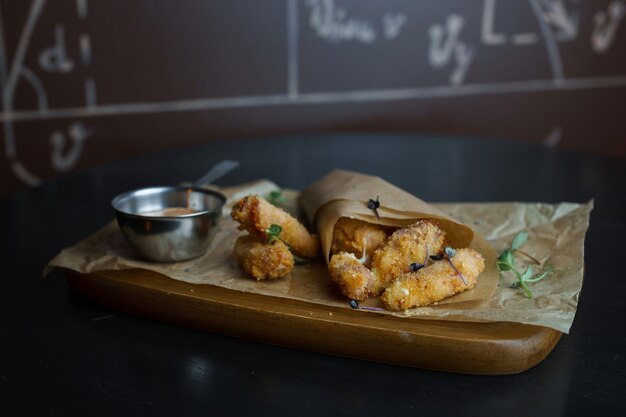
{"x": 169, "y": 212}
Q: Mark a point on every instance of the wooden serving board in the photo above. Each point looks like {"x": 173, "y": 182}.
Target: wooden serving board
{"x": 474, "y": 348}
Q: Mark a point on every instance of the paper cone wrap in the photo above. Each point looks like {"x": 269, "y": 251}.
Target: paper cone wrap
{"x": 346, "y": 194}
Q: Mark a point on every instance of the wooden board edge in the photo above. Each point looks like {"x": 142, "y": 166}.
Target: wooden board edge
{"x": 459, "y": 347}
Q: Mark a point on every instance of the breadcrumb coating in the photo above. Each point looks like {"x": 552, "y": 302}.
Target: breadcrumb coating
{"x": 256, "y": 215}
{"x": 355, "y": 236}
{"x": 435, "y": 282}
{"x": 405, "y": 246}
{"x": 354, "y": 279}
{"x": 263, "y": 260}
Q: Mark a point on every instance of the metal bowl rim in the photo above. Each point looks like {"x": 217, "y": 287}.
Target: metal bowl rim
{"x": 221, "y": 197}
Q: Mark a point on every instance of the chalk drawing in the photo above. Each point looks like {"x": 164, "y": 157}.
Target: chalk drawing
{"x": 54, "y": 58}
{"x": 520, "y": 39}
{"x": 447, "y": 51}
{"x": 446, "y": 48}
{"x": 605, "y": 26}
{"x": 553, "y": 52}
{"x": 81, "y": 8}
{"x": 393, "y": 24}
{"x": 3, "y": 58}
{"x": 564, "y": 23}
{"x": 355, "y": 96}
{"x": 16, "y": 71}
{"x": 555, "y": 136}
{"x": 333, "y": 24}
{"x": 40, "y": 91}
{"x": 490, "y": 37}
{"x": 84, "y": 45}
{"x": 293, "y": 36}
{"x": 65, "y": 154}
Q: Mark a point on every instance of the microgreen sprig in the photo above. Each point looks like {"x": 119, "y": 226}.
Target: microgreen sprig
{"x": 273, "y": 233}
{"x": 449, "y": 253}
{"x": 374, "y": 205}
{"x": 355, "y": 306}
{"x": 414, "y": 267}
{"x": 276, "y": 197}
{"x": 506, "y": 262}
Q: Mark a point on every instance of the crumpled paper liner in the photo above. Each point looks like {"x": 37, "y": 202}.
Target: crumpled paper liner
{"x": 556, "y": 238}
{"x": 346, "y": 194}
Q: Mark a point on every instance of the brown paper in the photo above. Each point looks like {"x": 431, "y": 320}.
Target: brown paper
{"x": 346, "y": 194}
{"x": 556, "y": 238}
{"x": 351, "y": 191}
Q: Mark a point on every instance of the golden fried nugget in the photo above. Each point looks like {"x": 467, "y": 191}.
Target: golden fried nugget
{"x": 256, "y": 215}
{"x": 405, "y": 246}
{"x": 356, "y": 236}
{"x": 354, "y": 279}
{"x": 434, "y": 282}
{"x": 263, "y": 260}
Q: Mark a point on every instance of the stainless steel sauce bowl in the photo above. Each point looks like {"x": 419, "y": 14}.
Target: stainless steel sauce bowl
{"x": 173, "y": 237}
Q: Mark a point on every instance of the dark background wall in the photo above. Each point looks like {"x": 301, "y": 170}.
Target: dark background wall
{"x": 89, "y": 81}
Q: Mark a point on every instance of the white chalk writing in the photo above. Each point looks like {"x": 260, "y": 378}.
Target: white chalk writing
{"x": 449, "y": 35}
{"x": 392, "y": 24}
{"x": 446, "y": 48}
{"x": 333, "y": 23}
{"x": 65, "y": 155}
{"x": 605, "y": 26}
{"x": 564, "y": 23}
{"x": 491, "y": 38}
{"x": 54, "y": 58}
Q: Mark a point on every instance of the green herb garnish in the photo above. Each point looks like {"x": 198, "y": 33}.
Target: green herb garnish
{"x": 273, "y": 234}
{"x": 276, "y": 197}
{"x": 506, "y": 262}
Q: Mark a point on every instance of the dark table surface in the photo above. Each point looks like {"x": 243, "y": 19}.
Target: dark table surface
{"x": 61, "y": 354}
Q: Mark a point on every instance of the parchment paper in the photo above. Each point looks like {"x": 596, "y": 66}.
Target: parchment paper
{"x": 556, "y": 238}
{"x": 346, "y": 194}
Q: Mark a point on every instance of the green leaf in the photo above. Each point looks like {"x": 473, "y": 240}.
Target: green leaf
{"x": 299, "y": 261}
{"x": 273, "y": 233}
{"x": 540, "y": 276}
{"x": 505, "y": 261}
{"x": 503, "y": 267}
{"x": 527, "y": 274}
{"x": 276, "y": 197}
{"x": 519, "y": 240}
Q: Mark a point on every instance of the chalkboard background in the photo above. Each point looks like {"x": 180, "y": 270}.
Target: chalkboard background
{"x": 89, "y": 81}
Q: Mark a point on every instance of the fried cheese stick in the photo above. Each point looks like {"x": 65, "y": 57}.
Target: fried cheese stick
{"x": 404, "y": 247}
{"x": 256, "y": 215}
{"x": 263, "y": 260}
{"x": 434, "y": 282}
{"x": 356, "y": 236}
{"x": 354, "y": 278}
{"x": 412, "y": 244}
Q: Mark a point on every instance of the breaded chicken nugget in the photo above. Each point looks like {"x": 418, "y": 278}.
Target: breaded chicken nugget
{"x": 405, "y": 246}
{"x": 354, "y": 279}
{"x": 256, "y": 215}
{"x": 263, "y": 260}
{"x": 356, "y": 236}
{"x": 434, "y": 282}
